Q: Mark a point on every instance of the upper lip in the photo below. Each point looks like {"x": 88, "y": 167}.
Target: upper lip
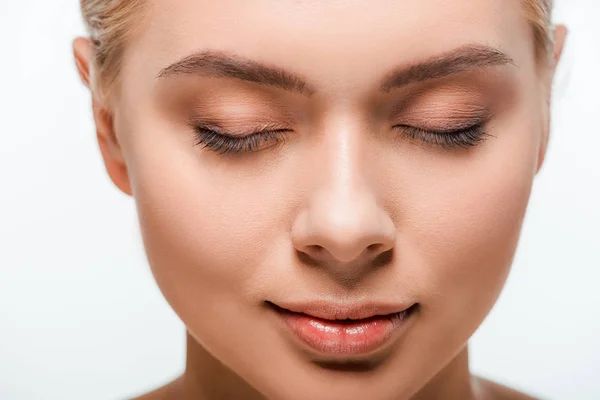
{"x": 340, "y": 311}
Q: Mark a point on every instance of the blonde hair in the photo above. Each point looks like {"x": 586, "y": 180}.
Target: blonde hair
{"x": 110, "y": 23}
{"x": 539, "y": 14}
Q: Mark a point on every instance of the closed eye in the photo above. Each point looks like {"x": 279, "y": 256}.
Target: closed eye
{"x": 225, "y": 143}
{"x": 447, "y": 139}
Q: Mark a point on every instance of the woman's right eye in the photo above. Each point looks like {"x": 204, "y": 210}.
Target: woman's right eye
{"x": 227, "y": 143}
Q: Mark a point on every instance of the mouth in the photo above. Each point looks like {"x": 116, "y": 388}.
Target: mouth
{"x": 333, "y": 329}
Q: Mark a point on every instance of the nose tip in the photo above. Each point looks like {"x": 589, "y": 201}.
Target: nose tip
{"x": 345, "y": 245}
{"x": 346, "y": 232}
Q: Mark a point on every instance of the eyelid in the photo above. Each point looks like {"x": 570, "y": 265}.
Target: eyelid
{"x": 464, "y": 120}
{"x": 249, "y": 143}
{"x": 446, "y": 129}
{"x": 240, "y": 131}
{"x": 467, "y": 137}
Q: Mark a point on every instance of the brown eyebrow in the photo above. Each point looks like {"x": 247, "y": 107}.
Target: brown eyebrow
{"x": 220, "y": 64}
{"x": 459, "y": 60}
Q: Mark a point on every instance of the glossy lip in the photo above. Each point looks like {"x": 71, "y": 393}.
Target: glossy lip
{"x": 331, "y": 311}
{"x": 344, "y": 330}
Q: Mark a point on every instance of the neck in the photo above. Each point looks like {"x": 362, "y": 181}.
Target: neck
{"x": 454, "y": 381}
{"x": 206, "y": 378}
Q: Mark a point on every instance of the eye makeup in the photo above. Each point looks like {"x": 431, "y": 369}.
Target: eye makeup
{"x": 263, "y": 136}
{"x": 267, "y": 135}
{"x": 465, "y": 138}
{"x": 448, "y": 117}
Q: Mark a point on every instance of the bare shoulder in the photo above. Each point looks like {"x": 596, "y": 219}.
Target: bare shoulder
{"x": 166, "y": 392}
{"x": 488, "y": 390}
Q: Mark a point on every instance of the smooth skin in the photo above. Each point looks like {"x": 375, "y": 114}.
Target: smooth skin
{"x": 307, "y": 218}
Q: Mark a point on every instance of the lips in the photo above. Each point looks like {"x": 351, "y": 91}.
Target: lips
{"x": 343, "y": 329}
{"x": 330, "y": 311}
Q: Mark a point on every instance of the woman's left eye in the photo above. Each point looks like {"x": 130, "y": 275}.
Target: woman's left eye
{"x": 224, "y": 143}
{"x": 447, "y": 139}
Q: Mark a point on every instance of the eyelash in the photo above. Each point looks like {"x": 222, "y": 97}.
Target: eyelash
{"x": 465, "y": 138}
{"x": 224, "y": 143}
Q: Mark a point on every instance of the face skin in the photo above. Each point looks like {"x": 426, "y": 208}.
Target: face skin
{"x": 359, "y": 202}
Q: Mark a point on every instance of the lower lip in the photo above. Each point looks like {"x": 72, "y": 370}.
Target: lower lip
{"x": 357, "y": 337}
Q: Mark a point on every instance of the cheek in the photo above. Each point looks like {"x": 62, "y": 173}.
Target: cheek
{"x": 465, "y": 222}
{"x": 205, "y": 229}
{"x": 468, "y": 240}
{"x": 459, "y": 221}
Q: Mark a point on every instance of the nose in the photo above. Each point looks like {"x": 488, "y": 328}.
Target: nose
{"x": 343, "y": 226}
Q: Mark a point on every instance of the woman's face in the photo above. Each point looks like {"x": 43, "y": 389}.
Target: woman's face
{"x": 400, "y": 140}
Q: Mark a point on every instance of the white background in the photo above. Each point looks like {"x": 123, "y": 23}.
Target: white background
{"x": 81, "y": 317}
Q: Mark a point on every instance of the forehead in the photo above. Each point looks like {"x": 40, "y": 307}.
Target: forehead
{"x": 336, "y": 42}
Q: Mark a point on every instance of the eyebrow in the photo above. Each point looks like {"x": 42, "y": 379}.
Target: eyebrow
{"x": 463, "y": 59}
{"x": 226, "y": 65}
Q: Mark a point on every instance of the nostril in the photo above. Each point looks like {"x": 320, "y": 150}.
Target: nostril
{"x": 374, "y": 247}
{"x": 315, "y": 249}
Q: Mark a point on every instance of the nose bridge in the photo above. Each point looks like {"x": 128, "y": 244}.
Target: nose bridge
{"x": 343, "y": 199}
{"x": 340, "y": 164}
{"x": 342, "y": 218}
